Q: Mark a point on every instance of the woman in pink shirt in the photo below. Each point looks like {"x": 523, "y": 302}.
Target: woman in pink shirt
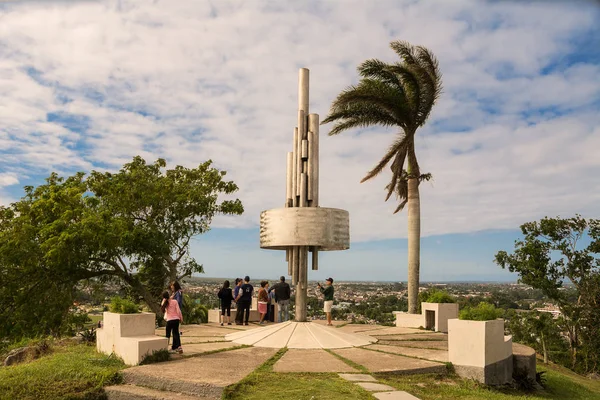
{"x": 170, "y": 307}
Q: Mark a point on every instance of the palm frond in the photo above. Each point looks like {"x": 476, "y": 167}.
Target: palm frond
{"x": 377, "y": 69}
{"x": 398, "y": 149}
{"x": 373, "y": 92}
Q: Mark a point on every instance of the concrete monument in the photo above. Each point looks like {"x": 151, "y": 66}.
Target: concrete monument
{"x": 302, "y": 227}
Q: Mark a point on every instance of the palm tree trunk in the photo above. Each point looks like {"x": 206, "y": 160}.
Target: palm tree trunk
{"x": 414, "y": 243}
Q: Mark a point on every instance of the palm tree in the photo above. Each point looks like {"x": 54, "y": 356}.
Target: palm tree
{"x": 399, "y": 95}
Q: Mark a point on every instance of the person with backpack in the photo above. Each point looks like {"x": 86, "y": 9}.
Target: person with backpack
{"x": 244, "y": 300}
{"x": 282, "y": 298}
{"x": 226, "y": 296}
{"x": 172, "y": 312}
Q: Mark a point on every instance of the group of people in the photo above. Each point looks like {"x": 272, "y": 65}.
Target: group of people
{"x": 242, "y": 293}
{"x": 171, "y": 306}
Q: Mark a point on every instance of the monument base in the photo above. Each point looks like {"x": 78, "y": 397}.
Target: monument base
{"x": 300, "y": 335}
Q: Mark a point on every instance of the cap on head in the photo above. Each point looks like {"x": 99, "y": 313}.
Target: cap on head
{"x": 247, "y": 278}
{"x": 282, "y": 278}
{"x": 329, "y": 279}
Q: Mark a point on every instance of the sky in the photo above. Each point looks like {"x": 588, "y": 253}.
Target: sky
{"x": 515, "y": 136}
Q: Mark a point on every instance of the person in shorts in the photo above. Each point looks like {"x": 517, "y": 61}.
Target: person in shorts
{"x": 327, "y": 292}
{"x": 226, "y": 297}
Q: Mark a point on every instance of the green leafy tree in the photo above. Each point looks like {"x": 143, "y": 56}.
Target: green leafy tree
{"x": 538, "y": 330}
{"x": 482, "y": 312}
{"x": 399, "y": 95}
{"x": 548, "y": 258}
{"x": 133, "y": 226}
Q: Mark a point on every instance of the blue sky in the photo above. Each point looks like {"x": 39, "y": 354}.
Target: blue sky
{"x": 89, "y": 85}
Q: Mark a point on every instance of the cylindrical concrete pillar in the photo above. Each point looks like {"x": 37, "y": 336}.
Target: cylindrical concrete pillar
{"x": 303, "y": 77}
{"x": 313, "y": 178}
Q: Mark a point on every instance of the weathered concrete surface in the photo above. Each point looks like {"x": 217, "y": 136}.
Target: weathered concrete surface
{"x": 375, "y": 387}
{"x": 187, "y": 340}
{"x": 358, "y": 377}
{"x": 313, "y": 360}
{"x": 204, "y": 375}
{"x": 412, "y": 336}
{"x": 396, "y": 395}
{"x": 192, "y": 349}
{"x": 300, "y": 335}
{"x": 390, "y": 363}
{"x": 130, "y": 392}
{"x": 422, "y": 344}
{"x": 326, "y": 228}
{"x": 524, "y": 360}
{"x": 396, "y": 331}
{"x": 428, "y": 354}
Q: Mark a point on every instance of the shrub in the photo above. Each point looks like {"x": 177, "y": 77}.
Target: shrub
{"x": 483, "y": 312}
{"x": 88, "y": 335}
{"x": 123, "y": 306}
{"x": 193, "y": 313}
{"x": 156, "y": 356}
{"x": 440, "y": 296}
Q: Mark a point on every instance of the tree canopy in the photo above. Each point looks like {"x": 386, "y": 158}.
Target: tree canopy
{"x": 554, "y": 254}
{"x": 133, "y": 226}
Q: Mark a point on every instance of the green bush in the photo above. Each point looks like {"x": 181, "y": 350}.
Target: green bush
{"x": 483, "y": 312}
{"x": 192, "y": 312}
{"x": 123, "y": 306}
{"x": 440, "y": 296}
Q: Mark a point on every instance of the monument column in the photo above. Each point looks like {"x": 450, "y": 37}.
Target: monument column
{"x": 302, "y": 226}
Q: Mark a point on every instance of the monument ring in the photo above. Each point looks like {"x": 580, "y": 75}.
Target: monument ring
{"x": 320, "y": 227}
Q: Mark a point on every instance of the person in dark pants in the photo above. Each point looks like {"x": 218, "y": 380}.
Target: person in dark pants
{"x": 282, "y": 297}
{"x": 236, "y": 291}
{"x": 244, "y": 299}
{"x": 171, "y": 309}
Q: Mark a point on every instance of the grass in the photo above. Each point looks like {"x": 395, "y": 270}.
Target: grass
{"x": 351, "y": 363}
{"x": 68, "y": 372}
{"x": 263, "y": 383}
{"x": 560, "y": 384}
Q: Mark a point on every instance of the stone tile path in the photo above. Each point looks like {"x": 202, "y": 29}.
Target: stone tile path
{"x": 391, "y": 363}
{"x": 428, "y": 354}
{"x": 189, "y": 376}
{"x": 313, "y": 360}
{"x": 380, "y": 391}
{"x": 419, "y": 344}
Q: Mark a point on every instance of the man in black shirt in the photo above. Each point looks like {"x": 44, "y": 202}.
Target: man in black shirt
{"x": 282, "y": 297}
{"x": 244, "y": 299}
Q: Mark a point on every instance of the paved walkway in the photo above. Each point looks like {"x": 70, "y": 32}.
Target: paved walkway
{"x": 191, "y": 376}
{"x": 379, "y": 390}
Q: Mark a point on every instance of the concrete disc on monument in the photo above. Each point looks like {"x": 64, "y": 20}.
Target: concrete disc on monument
{"x": 300, "y": 335}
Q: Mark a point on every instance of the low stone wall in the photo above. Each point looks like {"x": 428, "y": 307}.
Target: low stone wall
{"x": 479, "y": 350}
{"x": 406, "y": 320}
{"x": 129, "y": 336}
{"x": 524, "y": 360}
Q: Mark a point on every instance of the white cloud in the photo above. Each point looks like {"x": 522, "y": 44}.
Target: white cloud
{"x": 196, "y": 80}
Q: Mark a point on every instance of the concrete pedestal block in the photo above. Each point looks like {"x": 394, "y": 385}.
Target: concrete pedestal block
{"x": 438, "y": 314}
{"x": 406, "y": 320}
{"x": 479, "y": 350}
{"x": 129, "y": 336}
